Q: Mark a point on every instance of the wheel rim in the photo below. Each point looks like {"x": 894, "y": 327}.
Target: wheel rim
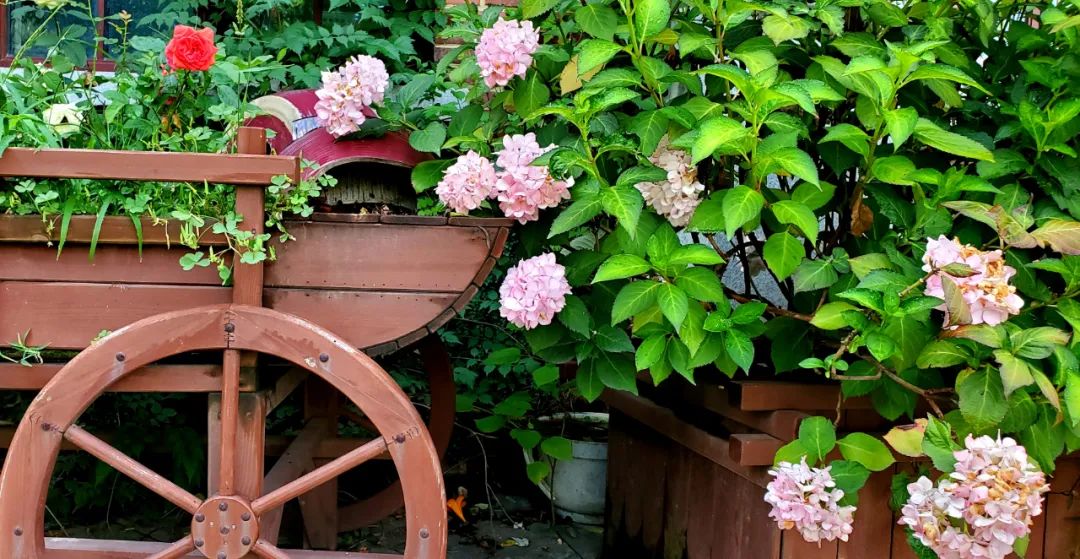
{"x": 51, "y": 417}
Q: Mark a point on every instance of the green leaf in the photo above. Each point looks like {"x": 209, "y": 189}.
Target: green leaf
{"x": 741, "y": 205}
{"x": 906, "y": 439}
{"x": 982, "y": 399}
{"x": 650, "y": 126}
{"x": 1044, "y": 440}
{"x": 939, "y": 445}
{"x": 558, "y": 448}
{"x": 881, "y": 346}
{"x": 588, "y": 381}
{"x": 597, "y": 20}
{"x": 709, "y": 215}
{"x": 578, "y": 213}
{"x": 739, "y": 348}
{"x": 944, "y": 72}
{"x": 796, "y": 162}
{"x": 866, "y": 450}
{"x": 538, "y": 471}
{"x": 575, "y": 316}
{"x": 504, "y": 356}
{"x": 527, "y": 438}
{"x": 818, "y": 436}
{"x": 595, "y": 53}
{"x": 831, "y": 316}
{"x": 696, "y": 253}
{"x": 812, "y": 275}
{"x": 632, "y": 299}
{"x": 901, "y": 124}
{"x": 650, "y": 352}
{"x": 701, "y": 284}
{"x": 428, "y": 173}
{"x": 625, "y": 203}
{"x": 949, "y": 142}
{"x": 851, "y": 136}
{"x": 942, "y": 353}
{"x": 1038, "y": 342}
{"x": 530, "y": 94}
{"x": 673, "y": 303}
{"x": 534, "y": 8}
{"x": 813, "y": 196}
{"x": 609, "y": 338}
{"x": 791, "y": 453}
{"x": 716, "y": 133}
{"x": 616, "y": 371}
{"x": 545, "y": 375}
{"x": 782, "y": 28}
{"x": 895, "y": 169}
{"x": 794, "y": 213}
{"x": 466, "y": 121}
{"x": 621, "y": 266}
{"x": 650, "y": 17}
{"x": 490, "y": 424}
{"x": 783, "y": 253}
{"x": 429, "y": 139}
{"x": 1015, "y": 372}
{"x": 849, "y": 477}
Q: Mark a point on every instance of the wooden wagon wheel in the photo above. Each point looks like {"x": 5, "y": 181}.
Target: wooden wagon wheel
{"x": 440, "y": 425}
{"x": 225, "y": 525}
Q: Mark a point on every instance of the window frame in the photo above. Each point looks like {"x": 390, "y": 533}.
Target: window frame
{"x": 95, "y": 63}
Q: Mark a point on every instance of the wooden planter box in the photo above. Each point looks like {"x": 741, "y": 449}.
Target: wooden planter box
{"x": 713, "y": 445}
{"x": 379, "y": 282}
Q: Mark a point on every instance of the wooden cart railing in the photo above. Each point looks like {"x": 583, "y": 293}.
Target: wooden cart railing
{"x": 241, "y": 516}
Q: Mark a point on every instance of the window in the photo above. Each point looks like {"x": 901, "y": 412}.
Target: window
{"x": 19, "y": 20}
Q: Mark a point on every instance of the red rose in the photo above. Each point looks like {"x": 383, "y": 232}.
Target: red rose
{"x": 191, "y": 49}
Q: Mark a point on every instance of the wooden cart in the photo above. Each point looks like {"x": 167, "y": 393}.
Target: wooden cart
{"x": 348, "y": 287}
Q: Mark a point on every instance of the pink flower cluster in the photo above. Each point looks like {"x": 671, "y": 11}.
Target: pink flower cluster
{"x": 505, "y": 50}
{"x": 983, "y": 507}
{"x": 534, "y": 291}
{"x": 522, "y": 189}
{"x": 808, "y": 500}
{"x": 987, "y": 293}
{"x": 467, "y": 183}
{"x": 347, "y": 91}
{"x": 678, "y": 196}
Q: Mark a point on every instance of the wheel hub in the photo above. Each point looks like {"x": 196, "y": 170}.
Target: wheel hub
{"x": 224, "y": 528}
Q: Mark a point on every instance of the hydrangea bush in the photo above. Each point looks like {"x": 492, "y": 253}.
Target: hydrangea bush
{"x": 886, "y": 191}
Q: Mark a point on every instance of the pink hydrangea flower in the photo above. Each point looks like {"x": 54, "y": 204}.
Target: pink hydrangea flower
{"x": 347, "y": 91}
{"x": 983, "y": 507}
{"x": 524, "y": 189}
{"x": 678, "y": 196}
{"x": 467, "y": 183}
{"x": 807, "y": 499}
{"x": 505, "y": 50}
{"x": 533, "y": 292}
{"x": 987, "y": 293}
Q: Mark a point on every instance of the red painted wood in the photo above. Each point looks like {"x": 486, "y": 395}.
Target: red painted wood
{"x": 874, "y": 523}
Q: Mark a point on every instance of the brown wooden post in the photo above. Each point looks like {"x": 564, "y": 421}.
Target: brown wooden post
{"x": 239, "y": 420}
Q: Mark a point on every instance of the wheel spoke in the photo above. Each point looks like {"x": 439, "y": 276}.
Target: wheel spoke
{"x": 230, "y": 419}
{"x": 128, "y": 466}
{"x": 319, "y": 476}
{"x": 179, "y": 549}
{"x": 267, "y": 550}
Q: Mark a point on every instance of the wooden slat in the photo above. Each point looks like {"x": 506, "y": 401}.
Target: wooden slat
{"x": 793, "y": 546}
{"x": 111, "y": 264}
{"x": 155, "y": 378}
{"x": 363, "y": 318}
{"x": 114, "y": 230}
{"x": 71, "y": 315}
{"x": 146, "y": 166}
{"x": 873, "y": 526}
{"x": 380, "y": 256}
{"x": 665, "y": 422}
{"x": 1062, "y": 513}
{"x": 782, "y": 424}
{"x": 775, "y": 395}
{"x": 753, "y": 449}
{"x": 74, "y": 548}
